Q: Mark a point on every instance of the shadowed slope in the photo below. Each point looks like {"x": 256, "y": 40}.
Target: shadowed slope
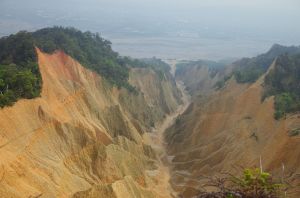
{"x": 227, "y": 129}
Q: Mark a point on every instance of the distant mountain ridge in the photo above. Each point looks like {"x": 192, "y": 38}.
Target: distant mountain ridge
{"x": 250, "y": 69}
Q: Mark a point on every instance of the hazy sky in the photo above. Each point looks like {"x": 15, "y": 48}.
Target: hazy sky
{"x": 142, "y": 27}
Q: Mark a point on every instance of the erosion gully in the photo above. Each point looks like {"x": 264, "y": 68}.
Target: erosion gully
{"x": 158, "y": 142}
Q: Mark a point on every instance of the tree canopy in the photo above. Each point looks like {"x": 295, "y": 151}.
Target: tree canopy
{"x": 248, "y": 70}
{"x": 19, "y": 73}
{"x": 284, "y": 83}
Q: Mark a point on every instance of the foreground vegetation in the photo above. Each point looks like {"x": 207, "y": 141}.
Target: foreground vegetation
{"x": 19, "y": 72}
{"x": 254, "y": 183}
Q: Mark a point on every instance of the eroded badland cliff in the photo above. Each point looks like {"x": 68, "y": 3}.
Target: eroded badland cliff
{"x": 83, "y": 122}
{"x": 82, "y": 137}
{"x": 227, "y": 130}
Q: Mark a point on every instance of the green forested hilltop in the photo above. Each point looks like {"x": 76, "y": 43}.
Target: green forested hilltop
{"x": 284, "y": 82}
{"x": 19, "y": 73}
{"x": 248, "y": 70}
{"x": 89, "y": 49}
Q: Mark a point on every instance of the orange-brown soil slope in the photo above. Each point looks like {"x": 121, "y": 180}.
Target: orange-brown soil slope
{"x": 82, "y": 137}
{"x": 231, "y": 128}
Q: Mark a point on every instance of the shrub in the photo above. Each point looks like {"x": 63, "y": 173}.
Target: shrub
{"x": 294, "y": 132}
{"x": 221, "y": 83}
{"x": 19, "y": 73}
{"x": 252, "y": 184}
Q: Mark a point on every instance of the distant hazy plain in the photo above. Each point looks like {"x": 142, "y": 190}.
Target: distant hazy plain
{"x": 181, "y": 29}
{"x": 180, "y": 47}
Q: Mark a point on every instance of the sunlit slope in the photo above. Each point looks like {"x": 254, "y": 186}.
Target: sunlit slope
{"x": 82, "y": 137}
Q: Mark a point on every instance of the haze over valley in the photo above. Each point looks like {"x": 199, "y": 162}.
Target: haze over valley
{"x": 166, "y": 29}
{"x": 149, "y": 99}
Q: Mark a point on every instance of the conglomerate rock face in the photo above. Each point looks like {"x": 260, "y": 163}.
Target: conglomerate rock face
{"x": 82, "y": 137}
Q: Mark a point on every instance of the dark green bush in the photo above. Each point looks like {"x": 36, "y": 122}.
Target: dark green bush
{"x": 221, "y": 83}
{"x": 17, "y": 83}
{"x": 285, "y": 103}
{"x": 19, "y": 73}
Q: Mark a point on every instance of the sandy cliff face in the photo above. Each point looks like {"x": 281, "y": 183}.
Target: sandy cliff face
{"x": 231, "y": 128}
{"x": 83, "y": 138}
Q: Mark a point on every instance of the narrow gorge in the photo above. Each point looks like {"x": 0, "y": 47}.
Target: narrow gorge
{"x": 85, "y": 128}
{"x": 84, "y": 138}
{"x": 80, "y": 121}
{"x": 230, "y": 128}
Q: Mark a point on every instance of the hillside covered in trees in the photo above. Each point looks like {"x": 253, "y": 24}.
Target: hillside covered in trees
{"x": 19, "y": 73}
{"x": 284, "y": 82}
{"x": 248, "y": 70}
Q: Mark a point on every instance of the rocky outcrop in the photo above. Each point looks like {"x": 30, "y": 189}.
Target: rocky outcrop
{"x": 83, "y": 137}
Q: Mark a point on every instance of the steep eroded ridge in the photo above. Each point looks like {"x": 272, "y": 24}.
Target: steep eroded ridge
{"x": 228, "y": 129}
{"x": 83, "y": 137}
